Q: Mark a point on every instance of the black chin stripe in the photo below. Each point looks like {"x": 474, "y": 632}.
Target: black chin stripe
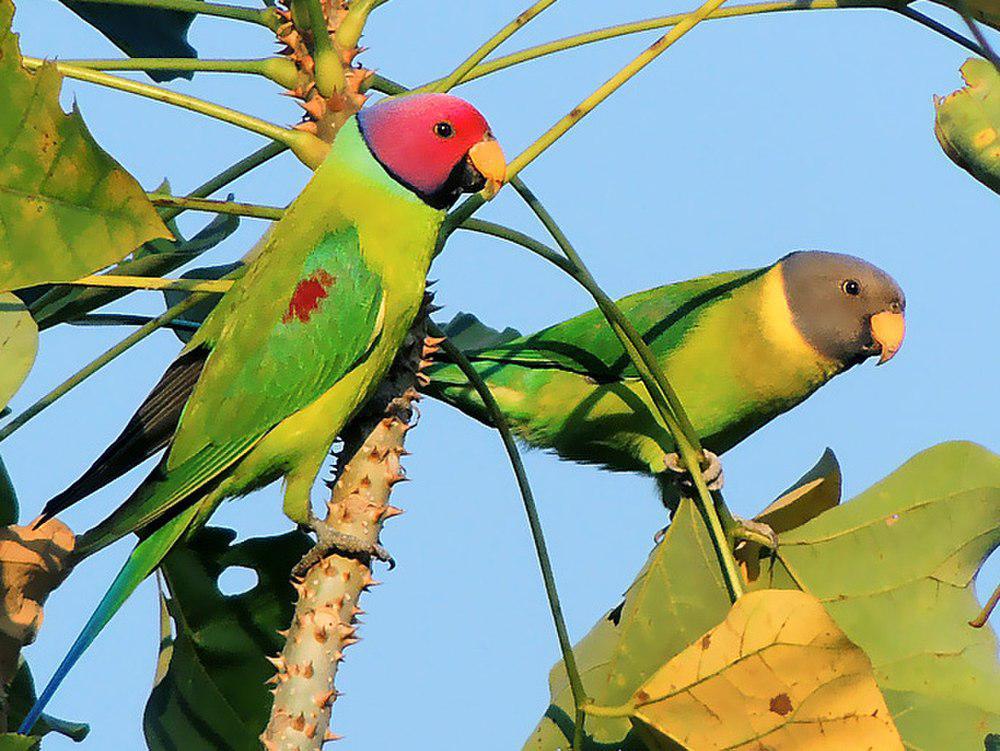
{"x": 463, "y": 178}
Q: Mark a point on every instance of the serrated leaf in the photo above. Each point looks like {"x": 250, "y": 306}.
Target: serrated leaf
{"x": 967, "y": 123}
{"x": 155, "y": 258}
{"x": 661, "y": 614}
{"x": 895, "y": 568}
{"x": 141, "y": 32}
{"x": 67, "y": 208}
{"x": 199, "y": 312}
{"x": 212, "y": 694}
{"x": 776, "y": 673}
{"x": 18, "y": 345}
{"x": 468, "y": 333}
{"x": 21, "y": 697}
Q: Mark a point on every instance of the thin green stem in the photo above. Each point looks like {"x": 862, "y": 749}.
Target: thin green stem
{"x": 386, "y": 85}
{"x": 940, "y": 28}
{"x": 128, "y": 319}
{"x": 735, "y": 11}
{"x": 328, "y": 71}
{"x": 307, "y": 147}
{"x": 660, "y": 391}
{"x": 977, "y": 33}
{"x": 534, "y": 523}
{"x": 94, "y": 365}
{"x": 452, "y": 79}
{"x": 620, "y": 710}
{"x": 265, "y": 17}
{"x": 216, "y": 286}
{"x": 614, "y": 83}
{"x": 281, "y": 70}
{"x": 235, "y": 208}
{"x": 636, "y": 27}
{"x": 519, "y": 238}
{"x": 234, "y": 171}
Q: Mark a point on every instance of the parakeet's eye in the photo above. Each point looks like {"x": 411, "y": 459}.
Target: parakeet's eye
{"x": 444, "y": 129}
{"x": 851, "y": 287}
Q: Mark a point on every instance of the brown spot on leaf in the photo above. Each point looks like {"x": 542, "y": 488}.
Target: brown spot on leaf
{"x": 891, "y": 519}
{"x": 781, "y": 704}
{"x": 641, "y": 695}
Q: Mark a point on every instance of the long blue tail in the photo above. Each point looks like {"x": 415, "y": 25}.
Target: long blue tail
{"x": 144, "y": 559}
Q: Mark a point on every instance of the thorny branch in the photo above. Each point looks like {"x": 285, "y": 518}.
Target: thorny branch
{"x": 325, "y": 620}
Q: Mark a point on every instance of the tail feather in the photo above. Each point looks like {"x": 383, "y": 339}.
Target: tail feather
{"x": 143, "y": 560}
{"x": 147, "y": 433}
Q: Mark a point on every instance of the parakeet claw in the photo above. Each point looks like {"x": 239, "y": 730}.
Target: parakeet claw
{"x": 712, "y": 473}
{"x": 758, "y": 532}
{"x": 330, "y": 541}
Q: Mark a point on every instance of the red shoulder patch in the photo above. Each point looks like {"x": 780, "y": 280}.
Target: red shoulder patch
{"x": 308, "y": 294}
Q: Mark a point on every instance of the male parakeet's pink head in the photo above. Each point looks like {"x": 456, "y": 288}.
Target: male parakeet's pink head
{"x": 437, "y": 145}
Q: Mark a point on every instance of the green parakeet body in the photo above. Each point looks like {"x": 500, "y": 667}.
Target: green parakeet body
{"x": 298, "y": 343}
{"x": 740, "y": 348}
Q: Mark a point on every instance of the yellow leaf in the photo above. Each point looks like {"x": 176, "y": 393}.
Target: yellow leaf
{"x": 776, "y": 675}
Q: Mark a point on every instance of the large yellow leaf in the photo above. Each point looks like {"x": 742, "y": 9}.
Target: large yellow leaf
{"x": 66, "y": 207}
{"x": 776, "y": 674}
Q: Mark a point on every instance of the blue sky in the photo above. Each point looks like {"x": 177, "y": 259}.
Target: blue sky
{"x": 751, "y": 138}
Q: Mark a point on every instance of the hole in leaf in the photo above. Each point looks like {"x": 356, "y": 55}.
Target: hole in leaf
{"x": 236, "y": 580}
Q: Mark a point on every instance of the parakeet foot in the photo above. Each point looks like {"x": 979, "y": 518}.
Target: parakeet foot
{"x": 757, "y": 532}
{"x": 330, "y": 541}
{"x": 712, "y": 473}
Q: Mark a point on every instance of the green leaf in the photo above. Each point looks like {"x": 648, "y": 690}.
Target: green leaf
{"x": 14, "y": 742}
{"x": 469, "y": 334}
{"x": 967, "y": 123}
{"x": 9, "y": 508}
{"x": 141, "y": 32}
{"x": 661, "y": 614}
{"x": 815, "y": 492}
{"x": 18, "y": 345}
{"x": 67, "y": 209}
{"x": 21, "y": 694}
{"x": 212, "y": 693}
{"x": 199, "y": 312}
{"x": 895, "y": 568}
{"x": 155, "y": 258}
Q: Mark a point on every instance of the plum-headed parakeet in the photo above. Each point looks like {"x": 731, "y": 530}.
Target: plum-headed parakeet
{"x": 298, "y": 343}
{"x": 739, "y": 347}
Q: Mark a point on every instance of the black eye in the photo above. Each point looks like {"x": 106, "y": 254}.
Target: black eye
{"x": 444, "y": 130}
{"x": 851, "y": 287}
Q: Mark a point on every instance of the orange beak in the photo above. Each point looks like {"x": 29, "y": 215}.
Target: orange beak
{"x": 888, "y": 329}
{"x": 487, "y": 157}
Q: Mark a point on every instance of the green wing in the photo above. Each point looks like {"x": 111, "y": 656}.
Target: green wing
{"x": 289, "y": 330}
{"x": 292, "y": 332}
{"x": 587, "y": 345}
